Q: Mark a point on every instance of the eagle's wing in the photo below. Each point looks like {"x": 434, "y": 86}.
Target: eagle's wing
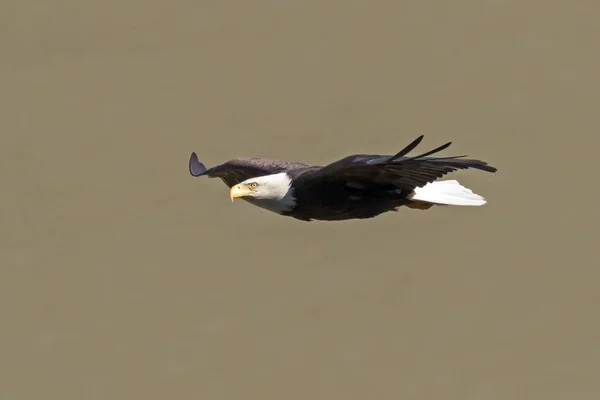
{"x": 398, "y": 170}
{"x": 238, "y": 170}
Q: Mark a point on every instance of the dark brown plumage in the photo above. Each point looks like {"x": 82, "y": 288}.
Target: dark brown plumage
{"x": 357, "y": 186}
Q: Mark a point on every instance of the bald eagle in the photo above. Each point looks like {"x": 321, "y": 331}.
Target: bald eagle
{"x": 358, "y": 186}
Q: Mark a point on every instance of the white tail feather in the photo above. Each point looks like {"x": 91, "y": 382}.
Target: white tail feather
{"x": 447, "y": 192}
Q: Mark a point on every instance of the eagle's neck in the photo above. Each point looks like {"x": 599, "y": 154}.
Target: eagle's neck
{"x": 276, "y": 193}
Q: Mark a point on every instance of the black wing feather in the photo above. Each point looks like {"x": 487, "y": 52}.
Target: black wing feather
{"x": 408, "y": 148}
{"x": 400, "y": 171}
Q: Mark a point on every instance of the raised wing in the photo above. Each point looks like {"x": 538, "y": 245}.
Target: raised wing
{"x": 238, "y": 170}
{"x": 398, "y": 170}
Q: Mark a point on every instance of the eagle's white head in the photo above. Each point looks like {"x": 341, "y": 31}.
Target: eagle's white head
{"x": 272, "y": 192}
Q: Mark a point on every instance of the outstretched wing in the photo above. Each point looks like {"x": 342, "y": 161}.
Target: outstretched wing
{"x": 398, "y": 170}
{"x": 238, "y": 170}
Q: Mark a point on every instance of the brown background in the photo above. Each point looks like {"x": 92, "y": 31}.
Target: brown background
{"x": 123, "y": 277}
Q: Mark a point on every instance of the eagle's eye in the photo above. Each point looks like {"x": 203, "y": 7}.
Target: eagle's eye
{"x": 252, "y": 185}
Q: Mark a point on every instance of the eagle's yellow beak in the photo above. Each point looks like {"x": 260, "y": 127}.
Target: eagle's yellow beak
{"x": 239, "y": 191}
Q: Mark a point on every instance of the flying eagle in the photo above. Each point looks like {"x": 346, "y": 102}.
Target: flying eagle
{"x": 356, "y": 187}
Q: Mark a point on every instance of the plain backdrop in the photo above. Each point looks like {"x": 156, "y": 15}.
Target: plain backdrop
{"x": 123, "y": 277}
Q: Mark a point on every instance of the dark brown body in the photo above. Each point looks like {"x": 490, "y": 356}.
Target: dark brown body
{"x": 355, "y": 187}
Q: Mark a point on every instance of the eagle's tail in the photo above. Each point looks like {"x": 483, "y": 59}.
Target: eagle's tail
{"x": 448, "y": 192}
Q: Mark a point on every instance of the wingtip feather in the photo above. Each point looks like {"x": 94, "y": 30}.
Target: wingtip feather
{"x": 195, "y": 166}
{"x": 408, "y": 148}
